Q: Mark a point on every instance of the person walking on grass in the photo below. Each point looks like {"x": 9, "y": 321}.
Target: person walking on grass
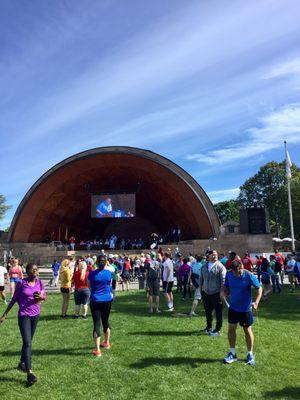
{"x": 168, "y": 280}
{"x": 29, "y": 293}
{"x": 238, "y": 283}
{"x": 212, "y": 278}
{"x": 195, "y": 278}
{"x": 3, "y": 279}
{"x": 99, "y": 282}
{"x": 153, "y": 282}
{"x": 290, "y": 269}
{"x": 65, "y": 278}
{"x": 82, "y": 292}
{"x": 15, "y": 275}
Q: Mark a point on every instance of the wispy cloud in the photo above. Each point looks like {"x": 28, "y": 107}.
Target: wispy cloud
{"x": 276, "y": 127}
{"x": 222, "y": 195}
{"x": 290, "y": 67}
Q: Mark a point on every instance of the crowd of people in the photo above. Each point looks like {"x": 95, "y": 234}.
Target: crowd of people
{"x": 207, "y": 278}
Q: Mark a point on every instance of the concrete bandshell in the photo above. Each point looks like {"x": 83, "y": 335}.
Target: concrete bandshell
{"x": 166, "y": 195}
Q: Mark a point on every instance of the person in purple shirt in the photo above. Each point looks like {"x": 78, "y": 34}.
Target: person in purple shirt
{"x": 184, "y": 276}
{"x": 29, "y": 293}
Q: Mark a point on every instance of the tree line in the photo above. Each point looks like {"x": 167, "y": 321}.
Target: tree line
{"x": 268, "y": 188}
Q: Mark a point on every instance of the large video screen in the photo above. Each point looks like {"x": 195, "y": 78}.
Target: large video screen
{"x": 113, "y": 206}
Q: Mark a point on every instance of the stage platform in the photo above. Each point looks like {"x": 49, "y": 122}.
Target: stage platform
{"x": 43, "y": 254}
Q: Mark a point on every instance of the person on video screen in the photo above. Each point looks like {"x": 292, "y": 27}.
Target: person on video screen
{"x": 104, "y": 208}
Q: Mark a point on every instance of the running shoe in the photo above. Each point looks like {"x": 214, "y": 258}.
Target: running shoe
{"x": 105, "y": 345}
{"x": 31, "y": 379}
{"x": 84, "y": 317}
{"x": 170, "y": 309}
{"x": 230, "y": 358}
{"x": 206, "y": 331}
{"x": 250, "y": 360}
{"x": 75, "y": 316}
{"x": 193, "y": 314}
{"x": 150, "y": 311}
{"x": 158, "y": 311}
{"x": 21, "y": 367}
{"x": 97, "y": 353}
{"x": 215, "y": 333}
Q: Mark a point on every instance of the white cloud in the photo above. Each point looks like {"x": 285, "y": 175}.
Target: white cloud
{"x": 276, "y": 127}
{"x": 222, "y": 195}
{"x": 290, "y": 67}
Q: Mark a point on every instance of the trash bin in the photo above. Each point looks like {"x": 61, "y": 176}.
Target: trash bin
{"x": 142, "y": 282}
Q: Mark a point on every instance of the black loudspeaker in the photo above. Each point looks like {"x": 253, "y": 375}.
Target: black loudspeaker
{"x": 254, "y": 220}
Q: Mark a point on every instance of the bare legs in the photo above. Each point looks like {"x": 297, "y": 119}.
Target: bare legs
{"x": 249, "y": 337}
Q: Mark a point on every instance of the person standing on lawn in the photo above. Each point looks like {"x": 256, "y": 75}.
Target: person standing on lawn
{"x": 153, "y": 282}
{"x": 29, "y": 293}
{"x": 65, "y": 286}
{"x": 238, "y": 283}
{"x": 168, "y": 280}
{"x": 3, "y": 279}
{"x": 212, "y": 278}
{"x": 99, "y": 282}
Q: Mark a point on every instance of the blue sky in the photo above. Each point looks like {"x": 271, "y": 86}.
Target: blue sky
{"x": 214, "y": 86}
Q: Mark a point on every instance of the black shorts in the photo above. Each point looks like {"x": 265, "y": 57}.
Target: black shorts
{"x": 126, "y": 275}
{"x": 167, "y": 287}
{"x": 64, "y": 290}
{"x": 2, "y": 288}
{"x": 114, "y": 284}
{"x": 153, "y": 286}
{"x": 245, "y": 319}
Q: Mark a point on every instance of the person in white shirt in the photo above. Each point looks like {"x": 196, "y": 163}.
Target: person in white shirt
{"x": 168, "y": 281}
{"x": 3, "y": 278}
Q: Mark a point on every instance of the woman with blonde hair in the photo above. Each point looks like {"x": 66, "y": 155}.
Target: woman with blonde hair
{"x": 65, "y": 286}
{"x": 82, "y": 292}
{"x": 15, "y": 275}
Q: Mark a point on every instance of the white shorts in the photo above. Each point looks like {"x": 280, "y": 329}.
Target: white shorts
{"x": 197, "y": 294}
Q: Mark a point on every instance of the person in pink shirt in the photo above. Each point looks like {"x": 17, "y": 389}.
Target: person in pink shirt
{"x": 15, "y": 275}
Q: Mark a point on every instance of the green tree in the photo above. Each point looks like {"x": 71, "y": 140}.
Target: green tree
{"x": 268, "y": 188}
{"x": 3, "y": 206}
{"x": 228, "y": 210}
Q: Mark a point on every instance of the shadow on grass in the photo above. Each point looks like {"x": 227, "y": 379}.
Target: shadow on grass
{"x": 11, "y": 379}
{"x": 290, "y": 392}
{"x": 192, "y": 362}
{"x": 48, "y": 352}
{"x": 165, "y": 333}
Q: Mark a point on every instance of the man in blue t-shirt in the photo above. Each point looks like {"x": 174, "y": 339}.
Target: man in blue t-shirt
{"x": 104, "y": 209}
{"x": 238, "y": 283}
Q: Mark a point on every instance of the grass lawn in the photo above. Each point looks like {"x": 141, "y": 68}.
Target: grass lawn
{"x": 154, "y": 357}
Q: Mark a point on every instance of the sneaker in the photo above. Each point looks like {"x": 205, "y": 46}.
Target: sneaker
{"x": 250, "y": 360}
{"x": 158, "y": 311}
{"x": 105, "y": 345}
{"x": 215, "y": 333}
{"x": 230, "y": 358}
{"x": 97, "y": 353}
{"x": 84, "y": 317}
{"x": 193, "y": 314}
{"x": 206, "y": 331}
{"x": 31, "y": 379}
{"x": 170, "y": 309}
{"x": 75, "y": 316}
{"x": 21, "y": 367}
{"x": 150, "y": 311}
